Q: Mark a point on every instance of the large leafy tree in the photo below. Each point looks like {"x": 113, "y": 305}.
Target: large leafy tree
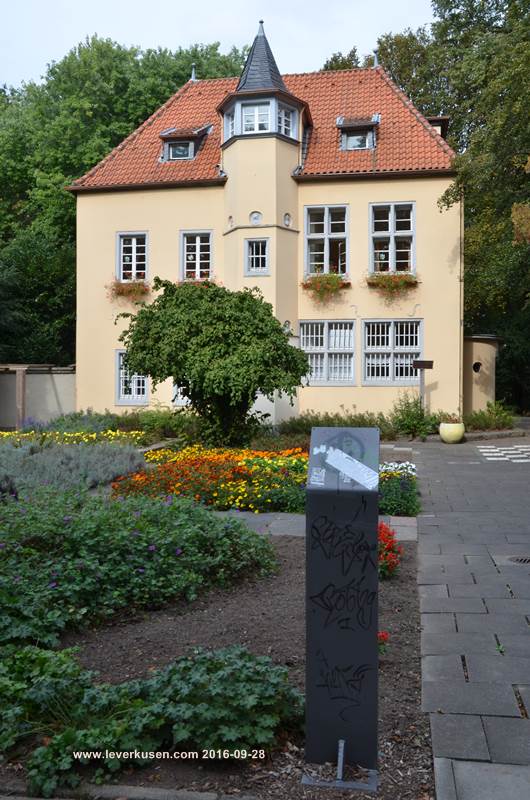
{"x": 222, "y": 348}
{"x": 473, "y": 64}
{"x": 50, "y": 134}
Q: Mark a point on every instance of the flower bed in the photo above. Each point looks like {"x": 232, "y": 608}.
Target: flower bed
{"x": 253, "y": 480}
{"x": 77, "y": 437}
{"x": 68, "y": 558}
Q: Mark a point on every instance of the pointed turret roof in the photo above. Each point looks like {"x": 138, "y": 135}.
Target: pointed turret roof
{"x": 260, "y": 71}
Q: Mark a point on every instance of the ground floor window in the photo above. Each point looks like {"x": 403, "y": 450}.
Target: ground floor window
{"x": 389, "y": 348}
{"x": 330, "y": 347}
{"x": 131, "y": 388}
{"x": 197, "y": 255}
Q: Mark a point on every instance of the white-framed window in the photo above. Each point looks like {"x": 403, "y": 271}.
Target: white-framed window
{"x": 196, "y": 255}
{"x": 178, "y": 398}
{"x": 326, "y": 239}
{"x": 361, "y": 139}
{"x": 179, "y": 151}
{"x": 132, "y": 256}
{"x": 256, "y": 256}
{"x": 389, "y": 348}
{"x": 285, "y": 120}
{"x": 256, "y": 117}
{"x": 130, "y": 389}
{"x": 330, "y": 347}
{"x": 392, "y": 230}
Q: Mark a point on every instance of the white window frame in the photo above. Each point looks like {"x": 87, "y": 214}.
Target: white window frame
{"x": 191, "y": 150}
{"x": 249, "y": 272}
{"x": 178, "y": 400}
{"x": 256, "y": 106}
{"x": 120, "y": 235}
{"x": 326, "y": 351}
{"x": 135, "y": 398}
{"x": 196, "y": 233}
{"x": 392, "y": 234}
{"x": 370, "y": 139}
{"x": 392, "y": 352}
{"x": 326, "y": 235}
{"x": 282, "y": 113}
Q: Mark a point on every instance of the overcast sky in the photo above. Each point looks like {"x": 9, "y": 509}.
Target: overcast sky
{"x": 302, "y": 33}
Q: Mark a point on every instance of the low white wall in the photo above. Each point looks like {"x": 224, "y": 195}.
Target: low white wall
{"x": 48, "y": 394}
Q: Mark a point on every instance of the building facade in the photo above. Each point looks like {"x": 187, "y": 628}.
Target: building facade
{"x": 272, "y": 181}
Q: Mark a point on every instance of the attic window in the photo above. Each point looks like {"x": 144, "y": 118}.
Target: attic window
{"x": 179, "y": 151}
{"x": 357, "y": 140}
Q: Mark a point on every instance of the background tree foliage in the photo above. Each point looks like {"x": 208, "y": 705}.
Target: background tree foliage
{"x": 473, "y": 63}
{"x": 50, "y": 134}
{"x": 221, "y": 348}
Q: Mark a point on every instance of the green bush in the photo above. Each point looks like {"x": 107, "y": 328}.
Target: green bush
{"x": 398, "y": 497}
{"x": 409, "y": 418}
{"x": 495, "y": 417}
{"x": 69, "y": 558}
{"x": 34, "y": 464}
{"x": 341, "y": 419}
{"x": 228, "y": 699}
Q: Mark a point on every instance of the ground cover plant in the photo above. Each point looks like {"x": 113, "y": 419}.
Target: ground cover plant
{"x": 33, "y": 461}
{"x": 226, "y": 699}
{"x": 252, "y": 480}
{"x": 67, "y": 558}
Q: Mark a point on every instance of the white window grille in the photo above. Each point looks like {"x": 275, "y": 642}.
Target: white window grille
{"x": 257, "y": 257}
{"x": 392, "y": 234}
{"x": 326, "y": 240}
{"x": 179, "y": 151}
{"x": 256, "y": 118}
{"x": 132, "y": 388}
{"x": 231, "y": 117}
{"x": 285, "y": 120}
{"x": 132, "y": 257}
{"x": 330, "y": 347}
{"x": 390, "y": 347}
{"x": 197, "y": 251}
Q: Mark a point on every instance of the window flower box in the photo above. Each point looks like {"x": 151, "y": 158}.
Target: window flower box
{"x": 325, "y": 286}
{"x": 135, "y": 290}
{"x": 392, "y": 284}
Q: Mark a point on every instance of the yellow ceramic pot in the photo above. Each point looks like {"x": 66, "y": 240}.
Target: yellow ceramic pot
{"x": 452, "y": 432}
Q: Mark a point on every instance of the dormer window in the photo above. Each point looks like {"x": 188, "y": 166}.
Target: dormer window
{"x": 179, "y": 151}
{"x": 357, "y": 140}
{"x": 256, "y": 118}
{"x": 358, "y": 133}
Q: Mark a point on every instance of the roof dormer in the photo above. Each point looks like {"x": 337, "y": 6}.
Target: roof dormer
{"x": 358, "y": 133}
{"x": 182, "y": 144}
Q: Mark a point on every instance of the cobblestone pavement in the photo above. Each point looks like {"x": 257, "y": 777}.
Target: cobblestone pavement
{"x": 475, "y": 606}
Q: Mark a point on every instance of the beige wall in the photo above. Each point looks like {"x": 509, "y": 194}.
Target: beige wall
{"x": 259, "y": 179}
{"x": 479, "y": 387}
{"x": 48, "y": 395}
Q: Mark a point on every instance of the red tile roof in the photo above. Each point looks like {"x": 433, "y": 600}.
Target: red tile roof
{"x": 406, "y": 142}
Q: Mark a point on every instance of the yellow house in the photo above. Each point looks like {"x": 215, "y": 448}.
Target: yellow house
{"x": 272, "y": 181}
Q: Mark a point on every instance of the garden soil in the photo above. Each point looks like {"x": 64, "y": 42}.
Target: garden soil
{"x": 267, "y": 616}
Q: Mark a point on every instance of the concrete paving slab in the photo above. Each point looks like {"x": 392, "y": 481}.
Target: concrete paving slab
{"x": 508, "y": 739}
{"x": 512, "y": 606}
{"x": 516, "y": 645}
{"x": 490, "y": 699}
{"x": 433, "y": 590}
{"x": 458, "y": 643}
{"x": 442, "y": 667}
{"x": 482, "y": 590}
{"x": 438, "y": 623}
{"x": 459, "y": 736}
{"x": 497, "y": 623}
{"x": 444, "y": 779}
{"x": 452, "y": 605}
{"x": 509, "y": 669}
{"x": 437, "y": 575}
{"x": 481, "y": 781}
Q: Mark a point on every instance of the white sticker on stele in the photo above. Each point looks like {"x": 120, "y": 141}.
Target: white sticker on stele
{"x": 354, "y": 469}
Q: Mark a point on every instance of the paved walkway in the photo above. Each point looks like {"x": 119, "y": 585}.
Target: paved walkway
{"x": 475, "y": 604}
